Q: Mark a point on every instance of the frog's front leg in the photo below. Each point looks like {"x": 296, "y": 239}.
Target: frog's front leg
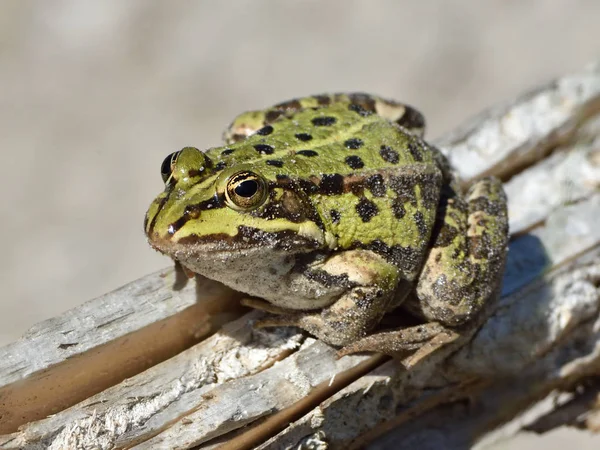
{"x": 462, "y": 273}
{"x": 372, "y": 286}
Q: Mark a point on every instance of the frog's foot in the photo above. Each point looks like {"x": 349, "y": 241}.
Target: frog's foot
{"x": 425, "y": 339}
{"x": 182, "y": 275}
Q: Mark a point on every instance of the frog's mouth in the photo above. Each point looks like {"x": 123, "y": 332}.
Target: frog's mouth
{"x": 246, "y": 239}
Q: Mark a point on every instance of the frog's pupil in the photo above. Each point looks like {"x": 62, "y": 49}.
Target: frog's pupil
{"x": 246, "y": 188}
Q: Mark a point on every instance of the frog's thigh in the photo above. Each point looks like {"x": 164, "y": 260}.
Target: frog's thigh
{"x": 465, "y": 265}
{"x": 462, "y": 271}
{"x": 372, "y": 285}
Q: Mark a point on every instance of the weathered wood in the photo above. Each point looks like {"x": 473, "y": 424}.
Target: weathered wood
{"x": 67, "y": 359}
{"x": 508, "y": 137}
{"x": 241, "y": 387}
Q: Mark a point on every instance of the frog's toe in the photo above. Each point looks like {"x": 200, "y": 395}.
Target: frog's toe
{"x": 393, "y": 343}
{"x": 421, "y": 339}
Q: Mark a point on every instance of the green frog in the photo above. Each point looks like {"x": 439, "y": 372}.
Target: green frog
{"x": 331, "y": 211}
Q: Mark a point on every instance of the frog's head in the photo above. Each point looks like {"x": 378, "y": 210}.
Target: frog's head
{"x": 245, "y": 208}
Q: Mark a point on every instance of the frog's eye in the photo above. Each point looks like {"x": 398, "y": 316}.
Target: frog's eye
{"x": 168, "y": 164}
{"x": 184, "y": 166}
{"x": 245, "y": 191}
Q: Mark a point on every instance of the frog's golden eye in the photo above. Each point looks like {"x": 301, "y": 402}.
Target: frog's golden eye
{"x": 168, "y": 164}
{"x": 245, "y": 191}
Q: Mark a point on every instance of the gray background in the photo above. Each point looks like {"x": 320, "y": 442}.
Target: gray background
{"x": 94, "y": 94}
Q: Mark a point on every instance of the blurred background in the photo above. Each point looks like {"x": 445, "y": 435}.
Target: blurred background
{"x": 94, "y": 94}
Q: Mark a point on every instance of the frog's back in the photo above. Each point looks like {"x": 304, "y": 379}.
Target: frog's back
{"x": 373, "y": 184}
{"x": 335, "y": 137}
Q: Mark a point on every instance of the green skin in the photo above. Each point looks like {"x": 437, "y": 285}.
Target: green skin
{"x": 334, "y": 211}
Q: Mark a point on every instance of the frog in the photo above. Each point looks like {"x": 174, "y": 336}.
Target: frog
{"x": 331, "y": 211}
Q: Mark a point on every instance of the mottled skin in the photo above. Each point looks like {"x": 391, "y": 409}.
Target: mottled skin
{"x": 334, "y": 211}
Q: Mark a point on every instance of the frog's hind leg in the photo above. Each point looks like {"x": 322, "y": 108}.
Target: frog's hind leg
{"x": 348, "y": 319}
{"x": 464, "y": 269}
{"x": 461, "y": 275}
{"x": 375, "y": 285}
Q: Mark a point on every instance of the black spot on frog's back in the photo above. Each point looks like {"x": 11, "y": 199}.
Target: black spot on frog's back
{"x": 332, "y": 184}
{"x": 354, "y": 162}
{"x": 273, "y": 115}
{"x": 322, "y": 100}
{"x": 389, "y": 155}
{"x": 365, "y": 101}
{"x": 404, "y": 187}
{"x": 398, "y": 208}
{"x": 366, "y": 209}
{"x": 358, "y": 109}
{"x": 264, "y": 149}
{"x": 324, "y": 121}
{"x": 274, "y": 162}
{"x": 376, "y": 185}
{"x": 415, "y": 151}
{"x": 265, "y": 131}
{"x": 290, "y": 105}
{"x": 308, "y": 186}
{"x": 308, "y": 153}
{"x": 304, "y": 137}
{"x": 353, "y": 143}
